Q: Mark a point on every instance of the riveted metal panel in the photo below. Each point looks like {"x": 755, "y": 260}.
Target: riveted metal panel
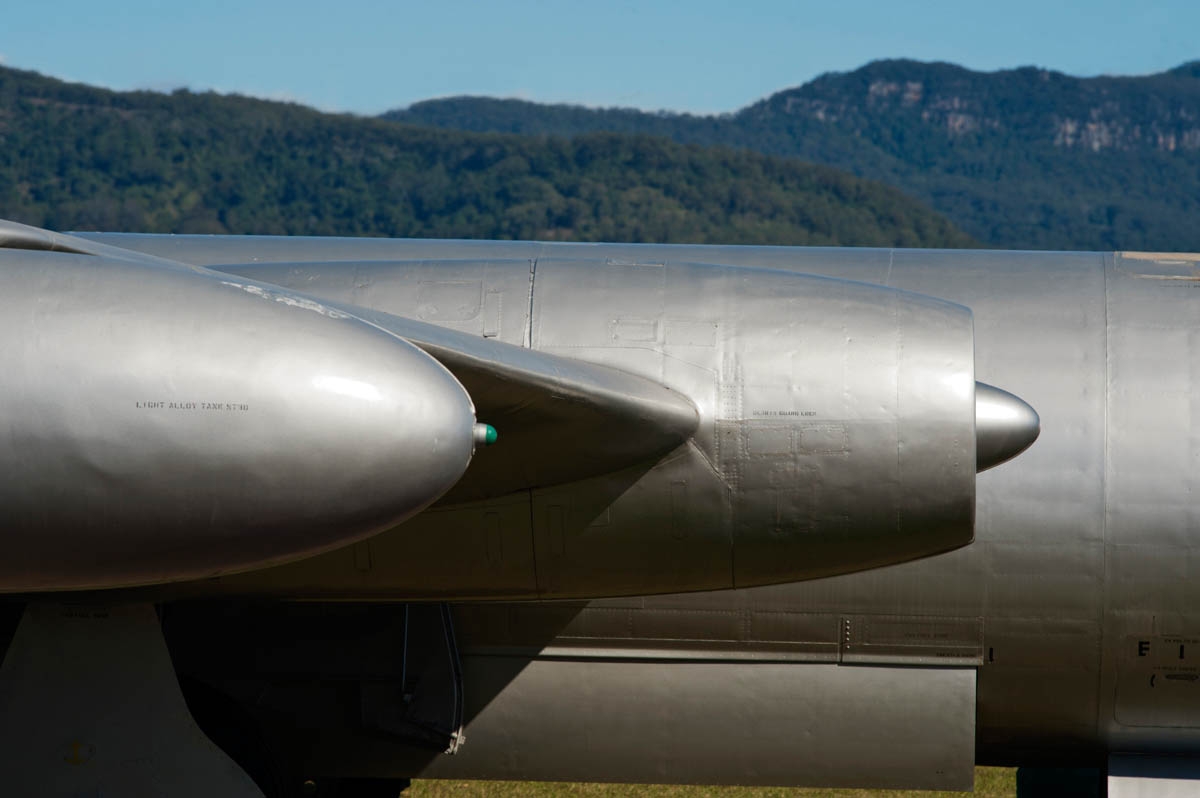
{"x": 718, "y": 723}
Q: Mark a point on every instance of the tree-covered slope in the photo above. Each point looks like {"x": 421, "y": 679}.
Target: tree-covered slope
{"x": 77, "y": 157}
{"x": 1018, "y": 158}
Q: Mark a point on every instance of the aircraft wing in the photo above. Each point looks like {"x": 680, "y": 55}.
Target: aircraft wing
{"x": 562, "y": 420}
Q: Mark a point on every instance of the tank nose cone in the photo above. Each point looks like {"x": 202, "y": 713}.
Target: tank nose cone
{"x": 1005, "y": 426}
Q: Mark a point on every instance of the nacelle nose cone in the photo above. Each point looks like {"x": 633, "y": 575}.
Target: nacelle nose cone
{"x": 1005, "y": 426}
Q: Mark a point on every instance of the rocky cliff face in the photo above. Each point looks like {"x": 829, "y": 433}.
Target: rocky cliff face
{"x": 1155, "y": 112}
{"x": 1106, "y": 127}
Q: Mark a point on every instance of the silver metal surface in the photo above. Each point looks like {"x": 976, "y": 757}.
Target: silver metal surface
{"x": 1005, "y": 426}
{"x": 1072, "y": 606}
{"x": 162, "y": 422}
{"x": 564, "y": 420}
{"x": 836, "y": 418}
{"x": 675, "y": 722}
{"x": 818, "y": 448}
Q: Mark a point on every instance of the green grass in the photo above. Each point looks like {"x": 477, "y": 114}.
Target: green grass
{"x": 989, "y": 782}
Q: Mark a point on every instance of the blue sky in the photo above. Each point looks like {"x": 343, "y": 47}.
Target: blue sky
{"x": 367, "y": 56}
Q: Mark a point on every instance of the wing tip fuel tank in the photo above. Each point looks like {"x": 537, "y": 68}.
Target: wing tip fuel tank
{"x": 168, "y": 423}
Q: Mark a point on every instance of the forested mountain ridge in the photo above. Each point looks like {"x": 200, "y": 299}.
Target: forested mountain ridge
{"x": 78, "y": 157}
{"x": 1018, "y": 158}
{"x": 1156, "y": 112}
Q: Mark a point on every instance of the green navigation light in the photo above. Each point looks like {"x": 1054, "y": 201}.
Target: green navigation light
{"x": 485, "y": 434}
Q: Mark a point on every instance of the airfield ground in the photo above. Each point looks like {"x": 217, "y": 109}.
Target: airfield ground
{"x": 989, "y": 783}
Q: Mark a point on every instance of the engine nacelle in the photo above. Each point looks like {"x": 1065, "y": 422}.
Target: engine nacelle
{"x": 837, "y": 418}
{"x": 837, "y": 431}
{"x": 854, "y": 441}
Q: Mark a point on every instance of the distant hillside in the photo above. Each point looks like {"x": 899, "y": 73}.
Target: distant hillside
{"x": 1020, "y": 158}
{"x": 77, "y": 157}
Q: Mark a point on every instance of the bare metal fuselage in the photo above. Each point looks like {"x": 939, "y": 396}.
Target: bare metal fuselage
{"x": 1065, "y": 630}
